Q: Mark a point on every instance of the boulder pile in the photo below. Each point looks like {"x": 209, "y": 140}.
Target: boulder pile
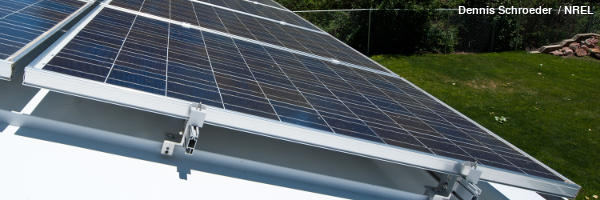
{"x": 580, "y": 45}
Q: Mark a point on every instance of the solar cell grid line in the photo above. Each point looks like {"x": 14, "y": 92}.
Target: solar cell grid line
{"x": 294, "y": 41}
{"x": 384, "y": 126}
{"x": 142, "y": 69}
{"x": 390, "y": 128}
{"x": 254, "y": 78}
{"x": 208, "y": 57}
{"x": 21, "y": 7}
{"x": 207, "y": 17}
{"x": 268, "y": 4}
{"x": 284, "y": 15}
{"x": 26, "y": 24}
{"x": 264, "y": 11}
{"x": 189, "y": 68}
{"x": 233, "y": 25}
{"x": 239, "y": 90}
{"x": 344, "y": 55}
{"x": 167, "y": 57}
{"x": 233, "y": 4}
{"x": 183, "y": 10}
{"x": 129, "y": 4}
{"x": 237, "y": 74}
{"x": 261, "y": 33}
{"x": 281, "y": 35}
{"x": 293, "y": 107}
{"x": 476, "y": 157}
{"x": 72, "y": 59}
{"x": 159, "y": 8}
{"x": 341, "y": 119}
{"x": 256, "y": 15}
{"x": 215, "y": 2}
{"x": 352, "y": 53}
{"x": 314, "y": 44}
{"x": 391, "y": 136}
{"x": 515, "y": 165}
{"x": 367, "y": 98}
{"x": 276, "y": 31}
{"x": 237, "y": 27}
{"x": 123, "y": 41}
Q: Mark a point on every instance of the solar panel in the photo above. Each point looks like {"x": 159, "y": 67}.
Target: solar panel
{"x": 271, "y": 29}
{"x": 269, "y": 3}
{"x": 164, "y": 63}
{"x": 268, "y": 11}
{"x": 26, "y": 23}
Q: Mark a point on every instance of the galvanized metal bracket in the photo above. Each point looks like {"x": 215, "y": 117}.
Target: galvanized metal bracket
{"x": 454, "y": 187}
{"x": 6, "y": 69}
{"x": 190, "y": 134}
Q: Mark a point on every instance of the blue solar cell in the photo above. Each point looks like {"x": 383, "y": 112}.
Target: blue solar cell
{"x": 270, "y": 3}
{"x": 189, "y": 64}
{"x": 251, "y": 27}
{"x": 21, "y": 22}
{"x": 129, "y": 4}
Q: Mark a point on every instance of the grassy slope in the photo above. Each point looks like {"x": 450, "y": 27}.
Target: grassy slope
{"x": 554, "y": 116}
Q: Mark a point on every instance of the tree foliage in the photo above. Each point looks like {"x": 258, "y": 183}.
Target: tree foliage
{"x": 424, "y": 26}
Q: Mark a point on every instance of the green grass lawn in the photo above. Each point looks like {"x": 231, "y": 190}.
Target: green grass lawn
{"x": 553, "y": 111}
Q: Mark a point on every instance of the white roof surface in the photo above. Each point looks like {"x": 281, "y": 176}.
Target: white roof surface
{"x": 38, "y": 169}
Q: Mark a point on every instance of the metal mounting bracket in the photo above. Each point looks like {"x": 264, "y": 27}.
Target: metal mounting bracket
{"x": 454, "y": 187}
{"x": 190, "y": 133}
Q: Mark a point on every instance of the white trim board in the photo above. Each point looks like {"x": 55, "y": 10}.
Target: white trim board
{"x": 6, "y": 65}
{"x": 37, "y": 77}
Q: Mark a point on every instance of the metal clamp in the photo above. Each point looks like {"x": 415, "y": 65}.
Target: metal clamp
{"x": 190, "y": 134}
{"x": 462, "y": 186}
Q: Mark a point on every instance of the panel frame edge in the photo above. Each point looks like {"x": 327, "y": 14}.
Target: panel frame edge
{"x": 270, "y": 128}
{"x": 6, "y": 69}
{"x": 6, "y": 65}
{"x": 488, "y": 131}
{"x": 35, "y": 76}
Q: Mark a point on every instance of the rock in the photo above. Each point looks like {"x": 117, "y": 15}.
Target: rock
{"x": 595, "y": 50}
{"x": 591, "y": 41}
{"x": 574, "y": 45}
{"x": 557, "y": 52}
{"x": 567, "y": 51}
{"x": 581, "y": 52}
{"x": 596, "y": 55}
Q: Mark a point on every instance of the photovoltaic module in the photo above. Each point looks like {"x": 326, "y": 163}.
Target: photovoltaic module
{"x": 255, "y": 61}
{"x": 26, "y": 23}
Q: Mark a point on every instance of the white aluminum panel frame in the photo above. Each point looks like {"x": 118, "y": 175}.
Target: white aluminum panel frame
{"x": 6, "y": 65}
{"x": 319, "y": 30}
{"x": 37, "y": 77}
{"x": 266, "y": 5}
{"x": 5, "y": 69}
{"x": 187, "y": 25}
{"x": 385, "y": 69}
{"x": 489, "y": 132}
